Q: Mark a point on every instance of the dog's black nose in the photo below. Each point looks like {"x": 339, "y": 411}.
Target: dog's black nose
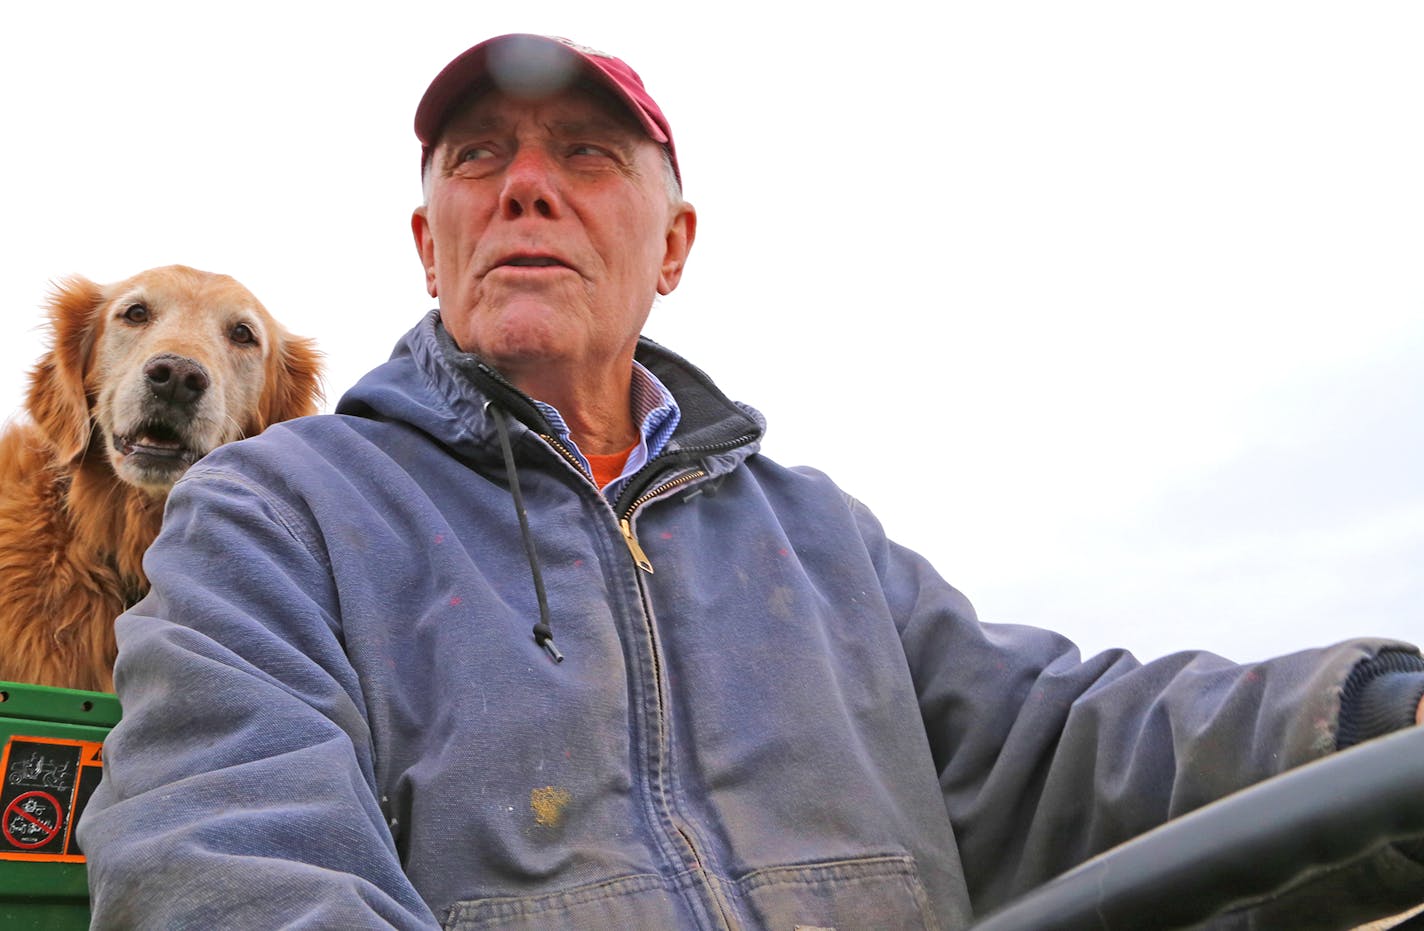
{"x": 176, "y": 379}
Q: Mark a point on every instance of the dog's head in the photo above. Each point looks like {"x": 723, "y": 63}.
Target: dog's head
{"x": 155, "y": 371}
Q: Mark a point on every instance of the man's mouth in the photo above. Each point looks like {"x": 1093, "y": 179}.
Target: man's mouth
{"x": 531, "y": 261}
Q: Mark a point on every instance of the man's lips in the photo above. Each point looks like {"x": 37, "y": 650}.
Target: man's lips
{"x": 534, "y": 261}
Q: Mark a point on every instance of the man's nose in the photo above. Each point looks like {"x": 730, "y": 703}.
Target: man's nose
{"x": 530, "y": 186}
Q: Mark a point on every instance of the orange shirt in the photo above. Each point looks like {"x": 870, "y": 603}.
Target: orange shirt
{"x": 607, "y": 468}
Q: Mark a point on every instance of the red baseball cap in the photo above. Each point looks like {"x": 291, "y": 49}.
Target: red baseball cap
{"x": 532, "y": 65}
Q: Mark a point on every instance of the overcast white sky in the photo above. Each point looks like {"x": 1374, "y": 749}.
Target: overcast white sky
{"x": 1113, "y": 310}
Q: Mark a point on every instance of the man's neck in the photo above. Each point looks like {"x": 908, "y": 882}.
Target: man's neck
{"x": 596, "y": 409}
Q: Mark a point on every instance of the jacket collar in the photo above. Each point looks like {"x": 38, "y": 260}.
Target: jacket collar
{"x": 437, "y": 387}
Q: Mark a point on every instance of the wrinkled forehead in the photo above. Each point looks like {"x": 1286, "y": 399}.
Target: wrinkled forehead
{"x": 578, "y": 108}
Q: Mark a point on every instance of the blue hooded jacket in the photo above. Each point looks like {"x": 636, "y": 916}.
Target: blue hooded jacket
{"x": 336, "y": 714}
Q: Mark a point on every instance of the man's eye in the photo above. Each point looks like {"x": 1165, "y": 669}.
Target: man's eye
{"x": 475, "y": 153}
{"x": 585, "y": 148}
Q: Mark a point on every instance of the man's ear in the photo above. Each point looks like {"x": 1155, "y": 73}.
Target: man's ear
{"x": 682, "y": 230}
{"x": 425, "y": 245}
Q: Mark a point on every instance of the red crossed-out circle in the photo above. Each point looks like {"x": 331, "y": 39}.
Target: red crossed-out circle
{"x": 48, "y": 831}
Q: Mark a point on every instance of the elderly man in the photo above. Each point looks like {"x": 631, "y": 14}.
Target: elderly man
{"x": 528, "y": 634}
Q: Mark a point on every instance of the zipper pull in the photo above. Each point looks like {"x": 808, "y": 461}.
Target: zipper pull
{"x": 639, "y": 556}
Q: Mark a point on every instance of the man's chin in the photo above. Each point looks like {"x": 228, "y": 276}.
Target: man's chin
{"x": 516, "y": 331}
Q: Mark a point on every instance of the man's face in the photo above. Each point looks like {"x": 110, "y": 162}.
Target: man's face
{"x": 548, "y": 230}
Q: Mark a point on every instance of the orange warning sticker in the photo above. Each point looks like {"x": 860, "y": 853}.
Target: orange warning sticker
{"x": 47, "y": 783}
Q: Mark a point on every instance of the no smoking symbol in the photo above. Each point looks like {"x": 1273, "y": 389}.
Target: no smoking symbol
{"x": 32, "y": 820}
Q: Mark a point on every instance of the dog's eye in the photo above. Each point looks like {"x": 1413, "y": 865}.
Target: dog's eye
{"x": 242, "y": 333}
{"x": 136, "y": 313}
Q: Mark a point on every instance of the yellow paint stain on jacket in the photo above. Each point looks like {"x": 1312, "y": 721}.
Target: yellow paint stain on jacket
{"x": 548, "y": 805}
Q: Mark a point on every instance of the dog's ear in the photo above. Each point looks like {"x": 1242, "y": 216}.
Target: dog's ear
{"x": 293, "y": 386}
{"x": 57, "y": 399}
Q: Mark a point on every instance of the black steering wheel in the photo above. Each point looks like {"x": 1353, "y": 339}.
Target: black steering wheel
{"x": 1242, "y": 848}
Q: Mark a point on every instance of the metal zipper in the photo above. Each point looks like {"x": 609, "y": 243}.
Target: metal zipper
{"x": 663, "y": 743}
{"x": 625, "y": 523}
{"x": 713, "y": 892}
{"x": 682, "y": 455}
{"x": 564, "y": 451}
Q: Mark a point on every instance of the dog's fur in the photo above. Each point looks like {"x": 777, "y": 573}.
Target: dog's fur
{"x": 141, "y": 378}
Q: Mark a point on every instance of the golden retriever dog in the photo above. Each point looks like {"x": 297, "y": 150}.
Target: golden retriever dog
{"x": 141, "y": 378}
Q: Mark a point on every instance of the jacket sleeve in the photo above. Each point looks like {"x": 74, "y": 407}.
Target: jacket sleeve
{"x": 239, "y": 788}
{"x": 1046, "y": 758}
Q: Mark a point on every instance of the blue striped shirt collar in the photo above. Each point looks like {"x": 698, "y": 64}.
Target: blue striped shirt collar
{"x": 654, "y": 410}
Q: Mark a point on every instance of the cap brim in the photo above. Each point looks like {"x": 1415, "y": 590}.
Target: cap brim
{"x": 529, "y": 62}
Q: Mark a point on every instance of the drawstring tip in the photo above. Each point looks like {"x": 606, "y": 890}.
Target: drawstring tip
{"x": 547, "y": 642}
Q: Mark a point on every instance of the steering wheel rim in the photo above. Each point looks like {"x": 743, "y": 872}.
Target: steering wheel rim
{"x": 1240, "y": 849}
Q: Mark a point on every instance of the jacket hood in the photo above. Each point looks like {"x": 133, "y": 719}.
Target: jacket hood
{"x": 431, "y": 384}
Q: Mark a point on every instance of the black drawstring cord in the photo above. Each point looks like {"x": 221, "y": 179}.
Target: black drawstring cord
{"x": 543, "y": 633}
